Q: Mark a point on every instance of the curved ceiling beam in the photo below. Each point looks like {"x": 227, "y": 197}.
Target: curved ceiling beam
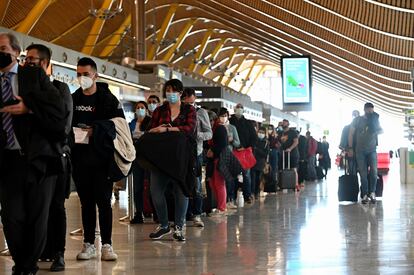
{"x": 291, "y": 37}
{"x": 317, "y": 25}
{"x": 310, "y": 2}
{"x": 116, "y": 38}
{"x": 34, "y": 15}
{"x": 95, "y": 31}
{"x": 277, "y": 34}
{"x": 71, "y": 29}
{"x": 235, "y": 26}
{"x": 259, "y": 73}
{"x": 200, "y": 50}
{"x": 248, "y": 76}
{"x": 391, "y": 7}
{"x": 181, "y": 37}
{"x": 163, "y": 30}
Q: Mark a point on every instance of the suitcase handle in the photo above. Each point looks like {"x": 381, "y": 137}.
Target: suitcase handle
{"x": 284, "y": 166}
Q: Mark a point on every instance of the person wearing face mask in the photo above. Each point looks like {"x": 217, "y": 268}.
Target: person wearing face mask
{"x": 138, "y": 127}
{"x": 172, "y": 116}
{"x": 248, "y": 138}
{"x": 261, "y": 152}
{"x": 93, "y": 102}
{"x": 290, "y": 141}
{"x": 153, "y": 102}
{"x": 234, "y": 143}
{"x": 33, "y": 118}
{"x": 39, "y": 56}
{"x": 204, "y": 133}
{"x": 363, "y": 133}
{"x": 274, "y": 146}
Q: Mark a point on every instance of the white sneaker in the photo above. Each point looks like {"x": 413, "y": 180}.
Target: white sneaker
{"x": 107, "y": 253}
{"x": 198, "y": 222}
{"x": 88, "y": 252}
{"x": 231, "y": 205}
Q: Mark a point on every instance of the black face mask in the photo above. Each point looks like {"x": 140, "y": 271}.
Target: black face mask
{"x": 5, "y": 60}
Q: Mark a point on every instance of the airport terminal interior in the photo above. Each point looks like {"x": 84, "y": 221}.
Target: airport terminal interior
{"x": 309, "y": 63}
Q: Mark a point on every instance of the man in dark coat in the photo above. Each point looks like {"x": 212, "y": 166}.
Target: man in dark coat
{"x": 39, "y": 56}
{"x": 33, "y": 118}
{"x": 248, "y": 137}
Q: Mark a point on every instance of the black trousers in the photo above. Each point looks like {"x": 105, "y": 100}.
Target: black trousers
{"x": 25, "y": 195}
{"x": 94, "y": 189}
{"x": 138, "y": 178}
{"x": 56, "y": 231}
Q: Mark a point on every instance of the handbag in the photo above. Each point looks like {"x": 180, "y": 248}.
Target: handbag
{"x": 246, "y": 158}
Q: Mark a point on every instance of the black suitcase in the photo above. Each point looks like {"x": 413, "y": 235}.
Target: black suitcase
{"x": 287, "y": 176}
{"x": 270, "y": 185}
{"x": 348, "y": 187}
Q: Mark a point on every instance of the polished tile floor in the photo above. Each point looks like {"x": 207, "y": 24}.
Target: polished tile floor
{"x": 286, "y": 233}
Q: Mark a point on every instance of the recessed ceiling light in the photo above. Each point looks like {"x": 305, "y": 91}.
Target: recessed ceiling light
{"x": 234, "y": 40}
{"x": 188, "y": 8}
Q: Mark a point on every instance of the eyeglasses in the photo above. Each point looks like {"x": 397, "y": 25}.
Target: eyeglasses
{"x": 30, "y": 59}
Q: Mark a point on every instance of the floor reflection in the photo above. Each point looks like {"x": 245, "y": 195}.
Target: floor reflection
{"x": 306, "y": 233}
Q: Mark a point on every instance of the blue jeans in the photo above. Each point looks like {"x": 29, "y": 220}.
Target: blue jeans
{"x": 159, "y": 184}
{"x": 365, "y": 160}
{"x": 196, "y": 208}
{"x": 247, "y": 185}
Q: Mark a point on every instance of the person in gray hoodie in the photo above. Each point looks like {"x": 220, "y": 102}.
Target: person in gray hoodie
{"x": 234, "y": 143}
{"x": 204, "y": 133}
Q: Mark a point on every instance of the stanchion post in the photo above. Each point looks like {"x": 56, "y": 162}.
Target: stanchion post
{"x": 131, "y": 202}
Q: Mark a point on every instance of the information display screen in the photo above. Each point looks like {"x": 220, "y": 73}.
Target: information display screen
{"x": 297, "y": 84}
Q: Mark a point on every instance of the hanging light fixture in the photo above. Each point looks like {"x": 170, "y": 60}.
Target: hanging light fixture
{"x": 115, "y": 8}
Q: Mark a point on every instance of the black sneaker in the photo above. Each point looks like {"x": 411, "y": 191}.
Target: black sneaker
{"x": 138, "y": 219}
{"x": 160, "y": 232}
{"x": 248, "y": 201}
{"x": 373, "y": 198}
{"x": 178, "y": 234}
{"x": 58, "y": 263}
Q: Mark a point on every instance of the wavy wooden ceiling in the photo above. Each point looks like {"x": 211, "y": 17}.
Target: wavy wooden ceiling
{"x": 361, "y": 48}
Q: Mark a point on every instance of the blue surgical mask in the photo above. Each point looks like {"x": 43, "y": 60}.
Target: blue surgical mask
{"x": 173, "y": 97}
{"x": 140, "y": 112}
{"x": 152, "y": 107}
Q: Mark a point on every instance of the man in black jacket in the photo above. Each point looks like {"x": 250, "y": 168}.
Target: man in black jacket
{"x": 93, "y": 102}
{"x": 39, "y": 56}
{"x": 33, "y": 118}
{"x": 248, "y": 137}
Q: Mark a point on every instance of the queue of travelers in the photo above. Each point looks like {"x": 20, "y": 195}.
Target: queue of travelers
{"x": 176, "y": 145}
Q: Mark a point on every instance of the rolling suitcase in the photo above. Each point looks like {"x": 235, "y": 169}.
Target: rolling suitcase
{"x": 287, "y": 176}
{"x": 270, "y": 185}
{"x": 348, "y": 187}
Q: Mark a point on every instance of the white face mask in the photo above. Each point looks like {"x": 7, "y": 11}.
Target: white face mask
{"x": 238, "y": 112}
{"x": 261, "y": 135}
{"x": 85, "y": 82}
